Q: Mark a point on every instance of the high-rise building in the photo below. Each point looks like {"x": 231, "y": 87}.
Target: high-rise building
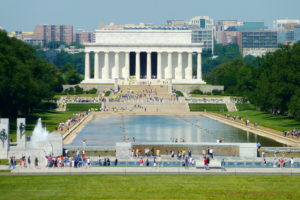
{"x": 50, "y": 33}
{"x": 82, "y": 36}
{"x": 287, "y": 30}
{"x": 282, "y": 25}
{"x": 203, "y": 31}
{"x": 226, "y": 33}
{"x": 257, "y": 43}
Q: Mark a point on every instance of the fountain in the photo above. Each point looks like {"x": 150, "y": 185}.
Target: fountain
{"x": 39, "y": 135}
{"x": 42, "y": 142}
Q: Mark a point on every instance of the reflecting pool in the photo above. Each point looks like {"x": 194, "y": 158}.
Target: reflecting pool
{"x": 107, "y": 130}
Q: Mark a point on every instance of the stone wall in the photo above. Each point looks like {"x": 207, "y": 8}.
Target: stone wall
{"x": 99, "y": 87}
{"x": 204, "y": 88}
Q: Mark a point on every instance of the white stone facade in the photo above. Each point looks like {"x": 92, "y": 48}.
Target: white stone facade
{"x": 118, "y": 56}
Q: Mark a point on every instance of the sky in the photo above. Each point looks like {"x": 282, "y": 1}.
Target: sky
{"x": 22, "y": 15}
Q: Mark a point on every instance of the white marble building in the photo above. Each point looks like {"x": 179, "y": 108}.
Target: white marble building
{"x": 144, "y": 54}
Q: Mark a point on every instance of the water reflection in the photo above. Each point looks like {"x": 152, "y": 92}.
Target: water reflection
{"x": 108, "y": 130}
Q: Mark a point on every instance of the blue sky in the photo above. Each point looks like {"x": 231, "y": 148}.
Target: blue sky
{"x": 86, "y": 14}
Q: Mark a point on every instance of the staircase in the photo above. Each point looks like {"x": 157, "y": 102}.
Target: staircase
{"x": 167, "y": 103}
{"x": 231, "y": 107}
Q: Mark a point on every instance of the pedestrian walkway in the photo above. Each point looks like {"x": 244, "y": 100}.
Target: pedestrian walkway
{"x": 155, "y": 170}
{"x": 269, "y": 133}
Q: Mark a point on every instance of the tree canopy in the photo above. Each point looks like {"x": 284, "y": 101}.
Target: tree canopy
{"x": 273, "y": 86}
{"x": 25, "y": 80}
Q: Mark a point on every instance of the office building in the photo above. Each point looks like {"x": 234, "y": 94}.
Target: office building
{"x": 50, "y": 33}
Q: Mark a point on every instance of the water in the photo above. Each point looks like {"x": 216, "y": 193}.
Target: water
{"x": 108, "y": 130}
{"x": 39, "y": 134}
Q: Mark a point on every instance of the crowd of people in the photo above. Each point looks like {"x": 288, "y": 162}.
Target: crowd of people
{"x": 63, "y": 126}
{"x": 293, "y": 133}
{"x": 23, "y": 162}
{"x": 80, "y": 160}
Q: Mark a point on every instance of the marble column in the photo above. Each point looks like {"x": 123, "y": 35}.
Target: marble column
{"x": 96, "y": 66}
{"x": 137, "y": 66}
{"x": 106, "y": 66}
{"x": 87, "y": 66}
{"x": 149, "y": 65}
{"x": 117, "y": 65}
{"x": 169, "y": 71}
{"x": 179, "y": 66}
{"x": 190, "y": 66}
{"x": 159, "y": 65}
{"x": 127, "y": 66}
{"x": 199, "y": 66}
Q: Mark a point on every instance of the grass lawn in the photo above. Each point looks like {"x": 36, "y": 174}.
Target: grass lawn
{"x": 245, "y": 106}
{"x": 3, "y": 161}
{"x": 77, "y": 107}
{"x": 150, "y": 187}
{"x": 277, "y": 122}
{"x": 208, "y": 107}
{"x": 51, "y": 118}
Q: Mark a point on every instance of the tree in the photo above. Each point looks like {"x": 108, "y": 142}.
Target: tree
{"x": 222, "y": 54}
{"x": 235, "y": 75}
{"x": 25, "y": 80}
{"x": 72, "y": 77}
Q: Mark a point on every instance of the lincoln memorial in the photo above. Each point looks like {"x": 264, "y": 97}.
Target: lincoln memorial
{"x": 143, "y": 54}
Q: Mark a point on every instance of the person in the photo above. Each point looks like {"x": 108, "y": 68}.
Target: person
{"x": 281, "y": 162}
{"x": 157, "y": 152}
{"x": 203, "y": 153}
{"x": 292, "y": 162}
{"x": 154, "y": 162}
{"x": 36, "y": 162}
{"x": 255, "y": 124}
{"x": 108, "y": 162}
{"x": 147, "y": 163}
{"x": 263, "y": 154}
{"x": 28, "y": 161}
{"x": 265, "y": 162}
{"x": 190, "y": 153}
{"x": 211, "y": 153}
{"x": 205, "y": 163}
{"x": 88, "y": 161}
{"x": 100, "y": 160}
{"x": 186, "y": 164}
{"x": 223, "y": 164}
{"x": 116, "y": 162}
{"x": 141, "y": 162}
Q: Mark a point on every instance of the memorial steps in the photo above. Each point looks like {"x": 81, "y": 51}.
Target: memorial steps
{"x": 167, "y": 104}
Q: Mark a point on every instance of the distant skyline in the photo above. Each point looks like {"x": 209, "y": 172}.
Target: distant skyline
{"x": 24, "y": 15}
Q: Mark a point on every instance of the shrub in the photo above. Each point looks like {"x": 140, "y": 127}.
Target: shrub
{"x": 217, "y": 92}
{"x": 196, "y": 92}
{"x": 179, "y": 93}
{"x": 92, "y": 91}
{"x": 78, "y": 90}
{"x": 107, "y": 93}
{"x": 69, "y": 90}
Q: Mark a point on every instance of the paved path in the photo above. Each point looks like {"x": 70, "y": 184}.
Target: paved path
{"x": 272, "y": 134}
{"x": 153, "y": 170}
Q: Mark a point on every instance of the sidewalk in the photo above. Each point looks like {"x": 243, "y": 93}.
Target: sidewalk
{"x": 274, "y": 135}
{"x": 153, "y": 170}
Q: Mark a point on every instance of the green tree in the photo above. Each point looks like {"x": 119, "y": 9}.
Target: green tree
{"x": 72, "y": 77}
{"x": 24, "y": 79}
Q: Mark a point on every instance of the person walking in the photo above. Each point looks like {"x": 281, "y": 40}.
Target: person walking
{"x": 36, "y": 162}
{"x": 28, "y": 161}
{"x": 116, "y": 162}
